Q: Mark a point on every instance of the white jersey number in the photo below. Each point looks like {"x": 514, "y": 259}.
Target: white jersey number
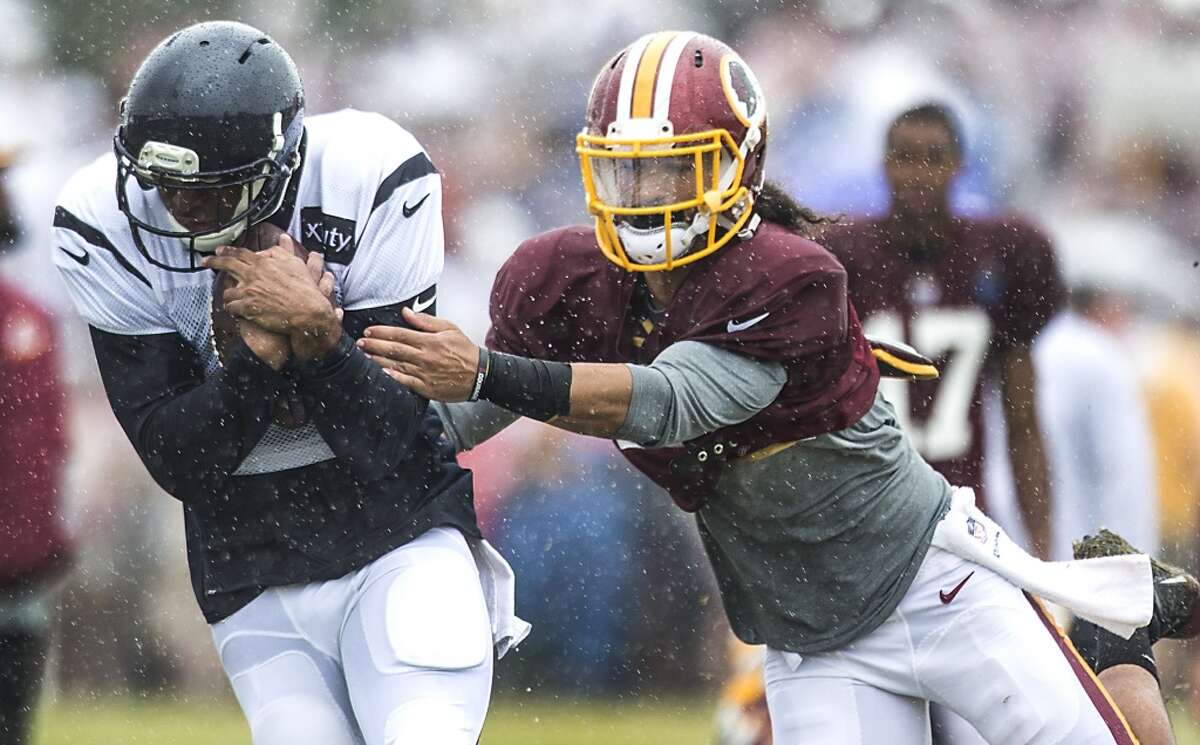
{"x": 962, "y": 334}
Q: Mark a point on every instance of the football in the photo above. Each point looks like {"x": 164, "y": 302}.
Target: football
{"x": 224, "y": 326}
{"x": 286, "y": 411}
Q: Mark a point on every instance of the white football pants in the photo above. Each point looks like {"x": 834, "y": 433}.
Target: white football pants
{"x": 986, "y": 651}
{"x": 399, "y": 651}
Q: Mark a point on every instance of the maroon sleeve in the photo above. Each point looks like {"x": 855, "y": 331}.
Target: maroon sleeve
{"x": 558, "y": 298}
{"x": 504, "y": 334}
{"x": 32, "y": 428}
{"x": 1033, "y": 288}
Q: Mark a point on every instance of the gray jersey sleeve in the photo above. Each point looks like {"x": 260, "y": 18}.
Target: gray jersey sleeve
{"x": 692, "y": 389}
{"x": 469, "y": 423}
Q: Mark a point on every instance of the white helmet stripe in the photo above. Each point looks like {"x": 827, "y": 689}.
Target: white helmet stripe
{"x": 666, "y": 75}
{"x": 628, "y": 74}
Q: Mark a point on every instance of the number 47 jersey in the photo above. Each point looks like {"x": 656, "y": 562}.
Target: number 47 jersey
{"x": 989, "y": 287}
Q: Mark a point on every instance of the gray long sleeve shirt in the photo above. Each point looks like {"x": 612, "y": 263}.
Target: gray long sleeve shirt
{"x": 812, "y": 547}
{"x": 689, "y": 390}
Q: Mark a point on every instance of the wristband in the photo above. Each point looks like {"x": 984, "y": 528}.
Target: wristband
{"x": 538, "y": 389}
{"x": 481, "y": 372}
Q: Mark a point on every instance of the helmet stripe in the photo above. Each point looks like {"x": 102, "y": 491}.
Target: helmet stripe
{"x": 643, "y": 85}
{"x": 666, "y": 77}
{"x": 625, "y": 94}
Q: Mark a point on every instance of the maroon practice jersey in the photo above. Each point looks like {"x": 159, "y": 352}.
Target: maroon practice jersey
{"x": 33, "y": 535}
{"x": 989, "y": 286}
{"x": 776, "y": 297}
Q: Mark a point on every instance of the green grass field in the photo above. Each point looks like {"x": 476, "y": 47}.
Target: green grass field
{"x": 115, "y": 721}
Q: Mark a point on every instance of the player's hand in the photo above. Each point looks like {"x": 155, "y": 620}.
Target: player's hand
{"x": 433, "y": 358}
{"x": 273, "y": 288}
{"x": 282, "y": 293}
{"x": 272, "y": 348}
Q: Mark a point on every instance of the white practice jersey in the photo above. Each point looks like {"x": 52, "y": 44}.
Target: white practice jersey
{"x": 368, "y": 198}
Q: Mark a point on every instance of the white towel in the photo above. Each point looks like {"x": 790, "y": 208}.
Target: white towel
{"x": 499, "y": 590}
{"x": 1113, "y": 592}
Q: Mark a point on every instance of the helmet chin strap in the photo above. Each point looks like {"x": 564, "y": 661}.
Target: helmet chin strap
{"x": 649, "y": 246}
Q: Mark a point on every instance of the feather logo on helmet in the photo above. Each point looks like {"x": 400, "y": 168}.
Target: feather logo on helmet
{"x": 742, "y": 90}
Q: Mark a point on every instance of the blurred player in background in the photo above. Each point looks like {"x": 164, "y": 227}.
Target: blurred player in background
{"x": 698, "y": 328}
{"x": 972, "y": 294}
{"x": 331, "y": 536}
{"x": 34, "y": 544}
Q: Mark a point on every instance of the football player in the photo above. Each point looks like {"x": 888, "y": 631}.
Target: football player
{"x": 35, "y": 546}
{"x": 972, "y": 293}
{"x": 697, "y": 327}
{"x": 331, "y": 538}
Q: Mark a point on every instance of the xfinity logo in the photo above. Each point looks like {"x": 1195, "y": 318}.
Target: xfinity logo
{"x": 333, "y": 236}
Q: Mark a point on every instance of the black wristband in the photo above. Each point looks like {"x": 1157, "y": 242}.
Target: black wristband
{"x": 538, "y": 389}
{"x": 481, "y": 371}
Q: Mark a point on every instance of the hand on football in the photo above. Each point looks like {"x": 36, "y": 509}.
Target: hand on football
{"x": 272, "y": 348}
{"x": 278, "y": 291}
{"x": 433, "y": 358}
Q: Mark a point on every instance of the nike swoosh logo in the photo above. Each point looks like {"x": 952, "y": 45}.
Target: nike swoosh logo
{"x": 418, "y": 306}
{"x": 733, "y": 326}
{"x": 83, "y": 258}
{"x": 947, "y": 597}
{"x": 410, "y": 211}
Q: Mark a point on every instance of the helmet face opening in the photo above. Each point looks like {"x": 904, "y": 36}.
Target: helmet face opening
{"x": 205, "y": 209}
{"x": 655, "y": 198}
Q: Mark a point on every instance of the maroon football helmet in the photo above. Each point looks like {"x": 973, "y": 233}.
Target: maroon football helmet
{"x": 672, "y": 154}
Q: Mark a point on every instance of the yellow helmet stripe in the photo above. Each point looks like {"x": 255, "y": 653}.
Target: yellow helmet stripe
{"x": 647, "y": 72}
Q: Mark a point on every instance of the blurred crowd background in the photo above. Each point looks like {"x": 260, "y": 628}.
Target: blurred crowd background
{"x": 1083, "y": 115}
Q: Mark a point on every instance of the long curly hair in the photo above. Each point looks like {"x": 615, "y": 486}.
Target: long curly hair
{"x": 777, "y": 206}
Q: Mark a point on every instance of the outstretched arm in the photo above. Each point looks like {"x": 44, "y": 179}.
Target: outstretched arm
{"x": 691, "y": 389}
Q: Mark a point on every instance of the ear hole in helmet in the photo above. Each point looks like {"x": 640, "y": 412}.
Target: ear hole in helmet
{"x": 698, "y": 60}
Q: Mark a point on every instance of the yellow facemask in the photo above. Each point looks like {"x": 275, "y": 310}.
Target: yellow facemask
{"x": 666, "y": 193}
